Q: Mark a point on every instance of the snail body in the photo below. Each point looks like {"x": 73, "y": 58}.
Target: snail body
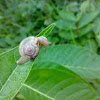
{"x": 30, "y": 46}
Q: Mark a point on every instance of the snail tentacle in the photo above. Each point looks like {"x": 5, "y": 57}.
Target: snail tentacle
{"x": 43, "y": 40}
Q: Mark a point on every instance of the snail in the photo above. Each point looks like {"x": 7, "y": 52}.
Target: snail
{"x": 30, "y": 46}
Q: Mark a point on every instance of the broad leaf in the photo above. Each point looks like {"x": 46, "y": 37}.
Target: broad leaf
{"x": 12, "y": 76}
{"x": 78, "y": 59}
{"x": 47, "y": 30}
{"x": 51, "y": 81}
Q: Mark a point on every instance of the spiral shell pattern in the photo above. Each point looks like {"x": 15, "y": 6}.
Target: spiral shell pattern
{"x": 29, "y": 47}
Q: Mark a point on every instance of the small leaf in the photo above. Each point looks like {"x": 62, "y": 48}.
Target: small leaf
{"x": 86, "y": 29}
{"x": 84, "y": 6}
{"x": 87, "y": 18}
{"x": 51, "y": 81}
{"x": 98, "y": 39}
{"x": 68, "y": 35}
{"x": 12, "y": 76}
{"x": 67, "y": 15}
{"x": 97, "y": 26}
{"x": 91, "y": 45}
{"x": 65, "y": 24}
{"x": 47, "y": 30}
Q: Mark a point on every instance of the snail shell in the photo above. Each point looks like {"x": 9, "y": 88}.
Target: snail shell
{"x": 30, "y": 46}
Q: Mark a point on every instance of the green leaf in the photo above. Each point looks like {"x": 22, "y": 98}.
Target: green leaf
{"x": 3, "y": 50}
{"x": 98, "y": 39}
{"x": 86, "y": 29}
{"x": 87, "y": 18}
{"x": 12, "y": 76}
{"x": 47, "y": 30}
{"x": 97, "y": 26}
{"x": 78, "y": 59}
{"x": 97, "y": 30}
{"x": 51, "y": 81}
{"x": 65, "y": 25}
{"x": 67, "y": 15}
{"x": 84, "y": 6}
{"x": 69, "y": 35}
{"x": 91, "y": 44}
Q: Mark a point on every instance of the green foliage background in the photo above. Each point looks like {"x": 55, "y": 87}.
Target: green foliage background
{"x": 77, "y": 22}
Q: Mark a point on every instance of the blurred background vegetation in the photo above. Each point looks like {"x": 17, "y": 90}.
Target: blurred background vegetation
{"x": 77, "y": 21}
